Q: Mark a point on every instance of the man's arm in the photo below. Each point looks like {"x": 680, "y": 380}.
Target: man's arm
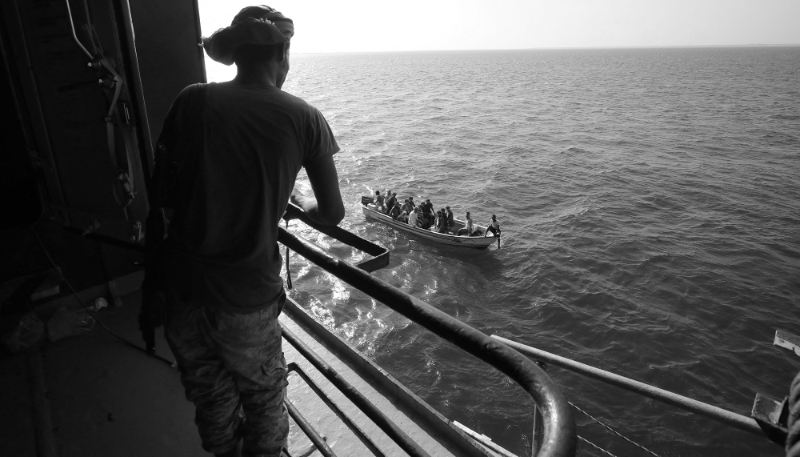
{"x": 326, "y": 207}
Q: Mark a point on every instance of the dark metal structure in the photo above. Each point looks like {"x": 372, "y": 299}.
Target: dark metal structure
{"x": 90, "y": 83}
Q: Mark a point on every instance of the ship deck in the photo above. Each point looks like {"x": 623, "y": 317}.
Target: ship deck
{"x": 93, "y": 395}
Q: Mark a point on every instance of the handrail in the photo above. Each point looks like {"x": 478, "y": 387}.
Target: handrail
{"x": 689, "y": 404}
{"x": 380, "y": 254}
{"x": 559, "y": 438}
{"x": 360, "y": 400}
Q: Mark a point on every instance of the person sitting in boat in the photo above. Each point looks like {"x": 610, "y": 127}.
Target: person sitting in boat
{"x": 468, "y": 228}
{"x": 436, "y": 223}
{"x": 440, "y": 223}
{"x": 413, "y": 218}
{"x": 449, "y": 216}
{"x": 379, "y": 202}
{"x": 395, "y": 211}
{"x": 425, "y": 221}
{"x": 411, "y": 201}
{"x": 407, "y": 206}
{"x": 403, "y": 216}
{"x": 493, "y": 227}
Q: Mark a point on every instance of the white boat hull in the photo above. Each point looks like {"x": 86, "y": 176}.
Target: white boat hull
{"x": 475, "y": 242}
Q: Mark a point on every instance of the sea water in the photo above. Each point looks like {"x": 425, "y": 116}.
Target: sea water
{"x": 650, "y": 207}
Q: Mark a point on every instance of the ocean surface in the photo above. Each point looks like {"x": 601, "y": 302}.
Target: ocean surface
{"x": 650, "y": 207}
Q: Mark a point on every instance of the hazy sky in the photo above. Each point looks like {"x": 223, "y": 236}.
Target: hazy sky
{"x": 375, "y": 25}
{"x": 411, "y": 25}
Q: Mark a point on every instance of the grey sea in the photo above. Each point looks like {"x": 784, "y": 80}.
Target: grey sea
{"x": 650, "y": 207}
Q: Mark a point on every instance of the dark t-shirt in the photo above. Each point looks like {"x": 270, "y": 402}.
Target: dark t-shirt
{"x": 222, "y": 240}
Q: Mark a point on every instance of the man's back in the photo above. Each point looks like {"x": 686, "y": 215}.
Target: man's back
{"x": 224, "y": 229}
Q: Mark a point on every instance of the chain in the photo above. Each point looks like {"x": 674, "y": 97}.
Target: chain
{"x": 613, "y": 431}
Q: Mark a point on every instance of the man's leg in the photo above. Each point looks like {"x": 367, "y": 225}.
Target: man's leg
{"x": 250, "y": 345}
{"x": 207, "y": 382}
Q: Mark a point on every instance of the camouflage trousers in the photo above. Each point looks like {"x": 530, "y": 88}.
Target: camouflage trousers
{"x": 233, "y": 370}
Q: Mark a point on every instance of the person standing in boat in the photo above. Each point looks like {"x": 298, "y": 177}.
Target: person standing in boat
{"x": 442, "y": 221}
{"x": 391, "y": 200}
{"x": 218, "y": 267}
{"x": 379, "y": 202}
{"x": 449, "y": 216}
{"x": 493, "y": 227}
{"x": 427, "y": 208}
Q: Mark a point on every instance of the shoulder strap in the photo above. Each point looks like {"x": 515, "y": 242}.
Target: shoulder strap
{"x": 182, "y": 134}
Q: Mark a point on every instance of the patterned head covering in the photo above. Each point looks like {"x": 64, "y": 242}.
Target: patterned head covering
{"x": 259, "y": 25}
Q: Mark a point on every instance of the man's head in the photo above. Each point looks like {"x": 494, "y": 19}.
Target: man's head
{"x": 256, "y": 35}
{"x": 467, "y": 213}
{"x": 377, "y": 192}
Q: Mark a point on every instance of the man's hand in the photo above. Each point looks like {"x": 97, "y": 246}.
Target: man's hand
{"x": 327, "y": 208}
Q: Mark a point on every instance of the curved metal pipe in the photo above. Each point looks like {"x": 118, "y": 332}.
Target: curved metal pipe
{"x": 559, "y": 438}
{"x": 727, "y": 417}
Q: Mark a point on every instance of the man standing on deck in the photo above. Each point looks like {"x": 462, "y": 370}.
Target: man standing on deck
{"x": 219, "y": 264}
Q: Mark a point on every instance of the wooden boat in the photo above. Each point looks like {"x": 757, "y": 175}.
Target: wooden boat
{"x": 448, "y": 239}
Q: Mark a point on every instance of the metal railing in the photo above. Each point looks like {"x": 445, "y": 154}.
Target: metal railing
{"x": 727, "y": 417}
{"x": 558, "y": 437}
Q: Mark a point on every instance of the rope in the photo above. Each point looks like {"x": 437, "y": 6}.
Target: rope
{"x": 595, "y": 446}
{"x": 288, "y": 273}
{"x": 613, "y": 431}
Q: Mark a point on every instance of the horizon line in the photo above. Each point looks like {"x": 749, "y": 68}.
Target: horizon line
{"x": 564, "y": 48}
